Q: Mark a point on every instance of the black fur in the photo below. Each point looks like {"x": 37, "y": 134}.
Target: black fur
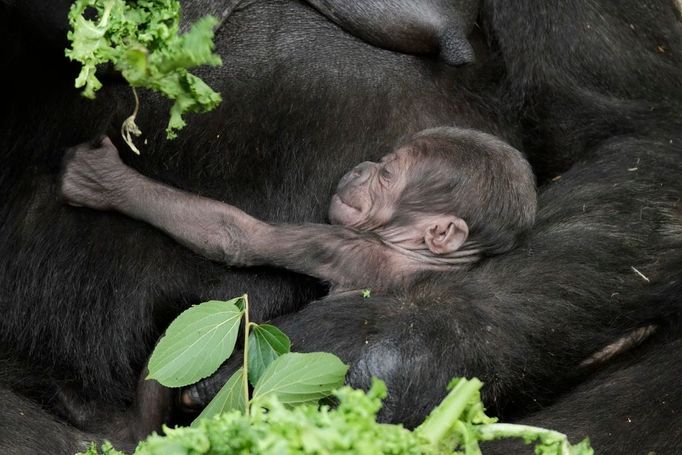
{"x": 581, "y": 86}
{"x": 631, "y": 407}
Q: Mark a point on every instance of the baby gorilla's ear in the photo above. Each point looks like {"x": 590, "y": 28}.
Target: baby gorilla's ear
{"x": 446, "y": 234}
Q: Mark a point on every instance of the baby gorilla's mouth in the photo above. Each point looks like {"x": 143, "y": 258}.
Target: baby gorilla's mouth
{"x": 340, "y": 200}
{"x": 343, "y": 213}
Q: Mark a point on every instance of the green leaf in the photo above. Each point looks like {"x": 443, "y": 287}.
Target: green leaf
{"x": 196, "y": 343}
{"x": 230, "y": 397}
{"x": 266, "y": 343}
{"x": 297, "y": 378}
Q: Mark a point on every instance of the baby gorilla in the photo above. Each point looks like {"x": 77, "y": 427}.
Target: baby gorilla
{"x": 443, "y": 199}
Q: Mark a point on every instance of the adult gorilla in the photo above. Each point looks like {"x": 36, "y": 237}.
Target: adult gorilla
{"x": 590, "y": 89}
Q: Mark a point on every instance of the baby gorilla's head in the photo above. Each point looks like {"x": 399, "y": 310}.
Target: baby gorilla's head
{"x": 442, "y": 189}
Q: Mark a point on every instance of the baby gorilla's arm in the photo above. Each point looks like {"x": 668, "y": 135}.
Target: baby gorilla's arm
{"x": 96, "y": 177}
{"x": 346, "y": 259}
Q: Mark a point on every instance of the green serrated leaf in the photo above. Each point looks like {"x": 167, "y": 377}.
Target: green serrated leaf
{"x": 230, "y": 397}
{"x": 266, "y": 343}
{"x": 297, "y": 378}
{"x": 196, "y": 343}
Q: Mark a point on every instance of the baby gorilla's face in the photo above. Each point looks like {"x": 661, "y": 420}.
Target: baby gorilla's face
{"x": 366, "y": 197}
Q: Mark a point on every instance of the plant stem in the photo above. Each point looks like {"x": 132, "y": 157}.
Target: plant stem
{"x": 245, "y": 378}
{"x": 105, "y": 15}
{"x": 129, "y": 127}
{"x": 492, "y": 431}
{"x": 444, "y": 416}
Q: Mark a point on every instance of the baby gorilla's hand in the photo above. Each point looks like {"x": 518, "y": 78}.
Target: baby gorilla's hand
{"x": 93, "y": 175}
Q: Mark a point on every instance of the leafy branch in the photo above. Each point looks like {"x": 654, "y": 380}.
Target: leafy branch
{"x": 199, "y": 340}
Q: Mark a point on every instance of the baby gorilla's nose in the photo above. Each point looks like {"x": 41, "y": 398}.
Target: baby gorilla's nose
{"x": 357, "y": 176}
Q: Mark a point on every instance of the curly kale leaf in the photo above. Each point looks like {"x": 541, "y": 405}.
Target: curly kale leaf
{"x": 456, "y": 426}
{"x": 140, "y": 38}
